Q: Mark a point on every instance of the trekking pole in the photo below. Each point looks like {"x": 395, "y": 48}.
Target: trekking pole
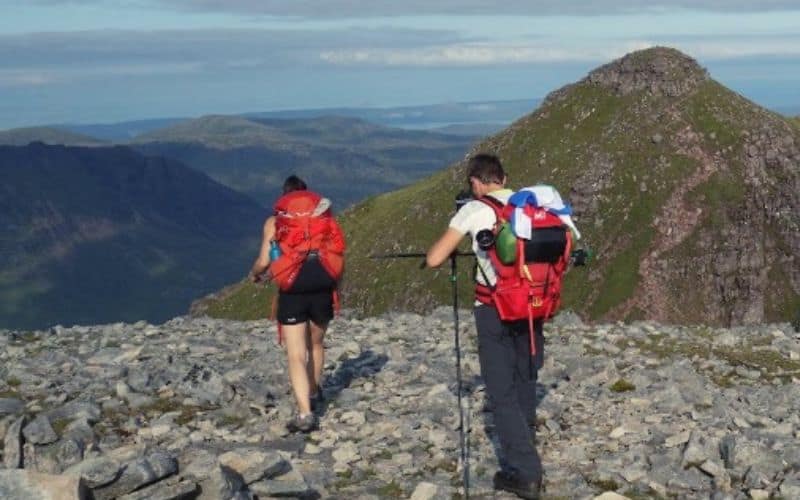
{"x": 462, "y": 437}
{"x": 454, "y": 280}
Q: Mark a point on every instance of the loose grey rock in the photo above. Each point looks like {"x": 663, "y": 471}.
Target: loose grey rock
{"x": 790, "y": 487}
{"x": 206, "y": 385}
{"x": 12, "y": 449}
{"x": 253, "y": 464}
{"x": 159, "y": 491}
{"x": 39, "y": 431}
{"x": 390, "y": 419}
{"x": 292, "y": 484}
{"x": 96, "y": 472}
{"x": 11, "y": 406}
{"x": 224, "y": 484}
{"x": 75, "y": 410}
{"x": 139, "y": 473}
{"x": 23, "y": 484}
{"x": 425, "y": 491}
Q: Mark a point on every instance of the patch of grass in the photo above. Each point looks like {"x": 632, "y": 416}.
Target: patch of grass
{"x": 344, "y": 479}
{"x": 384, "y": 454}
{"x": 9, "y": 394}
{"x": 60, "y": 425}
{"x": 715, "y": 111}
{"x": 699, "y": 342}
{"x": 391, "y": 490}
{"x": 160, "y": 406}
{"x": 234, "y": 421}
{"x": 13, "y": 381}
{"x": 604, "y": 484}
{"x": 634, "y": 494}
{"x": 188, "y": 413}
{"x": 622, "y": 385}
{"x": 245, "y": 301}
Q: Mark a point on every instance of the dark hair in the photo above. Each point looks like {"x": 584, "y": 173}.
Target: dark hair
{"x": 487, "y": 168}
{"x": 293, "y": 183}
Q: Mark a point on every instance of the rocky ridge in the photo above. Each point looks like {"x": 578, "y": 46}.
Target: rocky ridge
{"x": 195, "y": 408}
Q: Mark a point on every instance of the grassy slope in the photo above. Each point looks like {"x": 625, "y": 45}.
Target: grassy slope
{"x": 103, "y": 234}
{"x": 560, "y": 144}
{"x": 47, "y": 135}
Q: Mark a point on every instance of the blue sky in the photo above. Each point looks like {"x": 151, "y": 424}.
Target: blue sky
{"x": 105, "y": 61}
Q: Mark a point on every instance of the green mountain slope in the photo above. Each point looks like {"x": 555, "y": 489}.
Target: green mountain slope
{"x": 255, "y": 155}
{"x": 93, "y": 235}
{"x": 47, "y": 135}
{"x": 689, "y": 193}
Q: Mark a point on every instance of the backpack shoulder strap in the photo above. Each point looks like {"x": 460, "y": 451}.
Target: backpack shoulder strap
{"x": 493, "y": 203}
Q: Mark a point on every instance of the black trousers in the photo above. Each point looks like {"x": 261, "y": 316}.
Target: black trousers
{"x": 510, "y": 376}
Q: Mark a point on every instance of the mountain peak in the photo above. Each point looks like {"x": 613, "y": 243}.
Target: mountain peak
{"x": 659, "y": 70}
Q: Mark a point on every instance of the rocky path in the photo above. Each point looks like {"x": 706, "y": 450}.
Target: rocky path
{"x": 197, "y": 407}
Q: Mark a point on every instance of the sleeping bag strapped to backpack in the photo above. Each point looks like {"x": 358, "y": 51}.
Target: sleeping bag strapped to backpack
{"x": 308, "y": 236}
{"x": 528, "y": 269}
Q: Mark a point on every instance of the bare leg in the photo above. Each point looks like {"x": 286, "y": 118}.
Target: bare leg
{"x": 316, "y": 353}
{"x": 297, "y": 355}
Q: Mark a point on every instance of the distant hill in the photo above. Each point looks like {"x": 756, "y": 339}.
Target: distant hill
{"x": 93, "y": 235}
{"x": 47, "y": 135}
{"x": 121, "y": 132}
{"x": 255, "y": 155}
{"x": 423, "y": 116}
{"x": 688, "y": 192}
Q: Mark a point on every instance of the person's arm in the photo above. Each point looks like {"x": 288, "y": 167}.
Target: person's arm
{"x": 262, "y": 261}
{"x": 444, "y": 246}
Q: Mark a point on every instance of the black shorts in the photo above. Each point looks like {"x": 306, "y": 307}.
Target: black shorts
{"x": 295, "y": 308}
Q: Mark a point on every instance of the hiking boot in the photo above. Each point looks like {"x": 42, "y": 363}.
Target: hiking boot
{"x": 317, "y": 400}
{"x": 303, "y": 423}
{"x": 510, "y": 482}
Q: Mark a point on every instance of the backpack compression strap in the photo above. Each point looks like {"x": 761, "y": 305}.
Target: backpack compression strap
{"x": 483, "y": 293}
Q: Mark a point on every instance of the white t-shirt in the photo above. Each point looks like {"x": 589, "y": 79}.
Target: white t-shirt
{"x": 474, "y": 217}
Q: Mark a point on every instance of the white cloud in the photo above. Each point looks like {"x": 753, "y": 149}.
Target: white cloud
{"x": 377, "y": 8}
{"x": 542, "y": 52}
{"x": 24, "y": 78}
{"x": 480, "y": 54}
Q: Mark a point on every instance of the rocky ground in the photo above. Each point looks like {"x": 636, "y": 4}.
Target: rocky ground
{"x": 197, "y": 407}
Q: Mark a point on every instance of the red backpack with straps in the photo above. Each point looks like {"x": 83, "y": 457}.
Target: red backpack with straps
{"x": 528, "y": 283}
{"x": 304, "y": 226}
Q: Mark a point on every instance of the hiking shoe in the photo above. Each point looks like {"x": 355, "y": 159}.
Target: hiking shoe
{"x": 510, "y": 482}
{"x": 303, "y": 423}
{"x": 317, "y": 400}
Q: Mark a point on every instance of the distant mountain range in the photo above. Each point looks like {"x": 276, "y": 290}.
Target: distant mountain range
{"x": 103, "y": 234}
{"x": 488, "y": 114}
{"x": 254, "y": 154}
{"x": 688, "y": 192}
{"x": 46, "y": 135}
{"x": 347, "y": 159}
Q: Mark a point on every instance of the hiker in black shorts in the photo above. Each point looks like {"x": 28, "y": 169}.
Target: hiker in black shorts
{"x": 306, "y": 271}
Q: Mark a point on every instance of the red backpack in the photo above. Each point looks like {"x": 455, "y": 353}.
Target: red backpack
{"x": 528, "y": 283}
{"x": 304, "y": 226}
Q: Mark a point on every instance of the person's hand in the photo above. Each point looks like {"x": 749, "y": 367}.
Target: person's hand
{"x": 256, "y": 278}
